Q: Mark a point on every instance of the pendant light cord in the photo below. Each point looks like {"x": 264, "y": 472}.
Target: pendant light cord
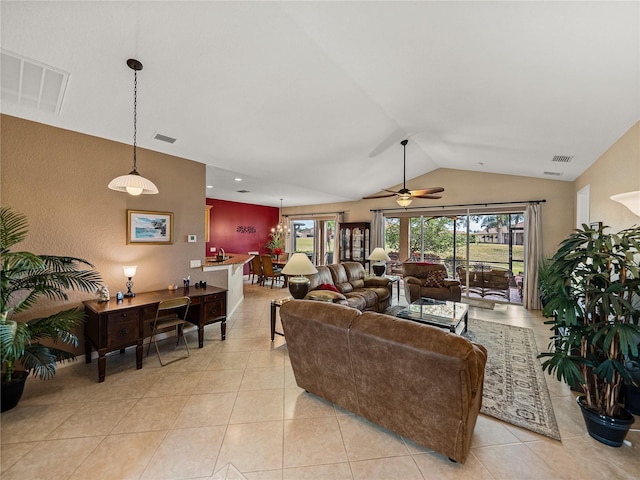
{"x": 135, "y": 115}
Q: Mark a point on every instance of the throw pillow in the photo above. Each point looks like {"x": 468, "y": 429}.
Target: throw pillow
{"x": 328, "y": 286}
{"x": 435, "y": 278}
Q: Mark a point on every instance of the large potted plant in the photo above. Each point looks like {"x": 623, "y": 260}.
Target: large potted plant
{"x": 592, "y": 288}
{"x": 26, "y": 278}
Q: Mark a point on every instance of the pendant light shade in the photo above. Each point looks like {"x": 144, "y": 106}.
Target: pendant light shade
{"x": 134, "y": 183}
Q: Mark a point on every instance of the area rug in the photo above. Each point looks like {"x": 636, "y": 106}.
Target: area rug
{"x": 515, "y": 389}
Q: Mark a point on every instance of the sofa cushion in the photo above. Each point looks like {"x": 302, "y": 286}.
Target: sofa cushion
{"x": 435, "y": 278}
{"x": 321, "y": 277}
{"x": 340, "y": 279}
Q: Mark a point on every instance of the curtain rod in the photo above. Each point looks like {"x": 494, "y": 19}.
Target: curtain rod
{"x": 458, "y": 205}
{"x": 312, "y": 214}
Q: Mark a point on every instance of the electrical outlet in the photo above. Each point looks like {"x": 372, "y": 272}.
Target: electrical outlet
{"x": 212, "y": 249}
{"x": 195, "y": 263}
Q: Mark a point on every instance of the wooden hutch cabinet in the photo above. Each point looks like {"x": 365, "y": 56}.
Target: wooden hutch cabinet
{"x": 354, "y": 242}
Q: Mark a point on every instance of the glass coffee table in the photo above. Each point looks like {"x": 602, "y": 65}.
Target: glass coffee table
{"x": 453, "y": 316}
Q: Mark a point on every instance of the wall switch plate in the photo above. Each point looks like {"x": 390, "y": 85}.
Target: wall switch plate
{"x": 191, "y": 238}
{"x": 195, "y": 263}
{"x": 212, "y": 249}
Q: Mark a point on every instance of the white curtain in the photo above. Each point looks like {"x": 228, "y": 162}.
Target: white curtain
{"x": 532, "y": 256}
{"x": 336, "y": 238}
{"x": 288, "y": 238}
{"x": 377, "y": 230}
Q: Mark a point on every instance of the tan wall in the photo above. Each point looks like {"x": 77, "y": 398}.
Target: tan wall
{"x": 59, "y": 178}
{"x": 462, "y": 187}
{"x": 616, "y": 171}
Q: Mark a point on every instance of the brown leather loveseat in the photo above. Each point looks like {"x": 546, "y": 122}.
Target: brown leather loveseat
{"x": 429, "y": 280}
{"x": 418, "y": 381}
{"x": 348, "y": 284}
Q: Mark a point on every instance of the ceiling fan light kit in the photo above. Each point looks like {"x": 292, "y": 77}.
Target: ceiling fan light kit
{"x": 406, "y": 196}
{"x": 133, "y": 183}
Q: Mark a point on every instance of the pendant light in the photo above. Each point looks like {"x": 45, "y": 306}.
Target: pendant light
{"x": 134, "y": 183}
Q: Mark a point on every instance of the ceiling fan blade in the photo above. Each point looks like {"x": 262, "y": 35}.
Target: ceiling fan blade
{"x": 391, "y": 191}
{"x": 379, "y": 196}
{"x": 425, "y": 191}
{"x": 429, "y": 195}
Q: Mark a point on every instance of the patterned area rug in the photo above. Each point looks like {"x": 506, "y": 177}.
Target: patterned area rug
{"x": 515, "y": 389}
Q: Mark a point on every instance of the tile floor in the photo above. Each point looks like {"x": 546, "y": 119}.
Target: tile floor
{"x": 237, "y": 402}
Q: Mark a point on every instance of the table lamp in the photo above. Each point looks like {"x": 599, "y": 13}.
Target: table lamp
{"x": 130, "y": 272}
{"x": 380, "y": 257}
{"x": 299, "y": 264}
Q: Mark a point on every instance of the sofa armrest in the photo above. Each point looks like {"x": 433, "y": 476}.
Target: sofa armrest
{"x": 325, "y": 296}
{"x": 376, "y": 282}
{"x": 450, "y": 283}
{"x": 413, "y": 280}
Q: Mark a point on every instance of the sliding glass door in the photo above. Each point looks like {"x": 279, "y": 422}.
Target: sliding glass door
{"x": 315, "y": 238}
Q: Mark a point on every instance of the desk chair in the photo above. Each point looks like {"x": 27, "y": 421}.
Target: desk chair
{"x": 268, "y": 271}
{"x": 170, "y": 313}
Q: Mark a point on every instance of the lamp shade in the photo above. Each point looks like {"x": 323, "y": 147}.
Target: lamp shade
{"x": 133, "y": 184}
{"x": 404, "y": 200}
{"x": 129, "y": 270}
{"x": 379, "y": 255}
{"x": 299, "y": 264}
{"x": 631, "y": 200}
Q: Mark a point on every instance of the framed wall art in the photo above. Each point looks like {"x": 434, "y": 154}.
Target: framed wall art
{"x": 151, "y": 228}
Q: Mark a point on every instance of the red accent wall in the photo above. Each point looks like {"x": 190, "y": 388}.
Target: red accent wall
{"x": 255, "y": 222}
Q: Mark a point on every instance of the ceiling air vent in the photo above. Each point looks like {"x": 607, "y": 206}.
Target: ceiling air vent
{"x": 164, "y": 138}
{"x": 553, "y": 174}
{"x": 32, "y": 83}
{"x": 562, "y": 158}
{"x": 243, "y": 191}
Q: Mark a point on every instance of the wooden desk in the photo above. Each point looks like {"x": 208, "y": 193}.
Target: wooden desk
{"x": 116, "y": 325}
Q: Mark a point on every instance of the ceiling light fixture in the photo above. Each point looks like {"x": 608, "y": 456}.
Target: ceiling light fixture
{"x": 133, "y": 183}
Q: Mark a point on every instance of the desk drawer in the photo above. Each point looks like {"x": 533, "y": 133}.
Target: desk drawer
{"x": 214, "y": 309}
{"x": 216, "y": 297}
{"x": 123, "y": 327}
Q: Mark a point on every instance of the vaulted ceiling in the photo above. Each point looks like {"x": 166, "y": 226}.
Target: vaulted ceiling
{"x": 308, "y": 101}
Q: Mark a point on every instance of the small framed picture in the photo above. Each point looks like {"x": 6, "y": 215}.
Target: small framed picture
{"x": 151, "y": 228}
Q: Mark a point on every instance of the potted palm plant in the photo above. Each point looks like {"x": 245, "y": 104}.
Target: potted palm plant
{"x": 26, "y": 278}
{"x": 592, "y": 288}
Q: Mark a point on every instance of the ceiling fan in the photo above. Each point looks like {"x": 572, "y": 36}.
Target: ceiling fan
{"x": 406, "y": 196}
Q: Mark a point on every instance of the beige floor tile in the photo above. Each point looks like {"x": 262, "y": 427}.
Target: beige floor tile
{"x": 219, "y": 381}
{"x": 26, "y": 423}
{"x": 506, "y": 462}
{"x": 177, "y": 383}
{"x": 262, "y": 378}
{"x": 12, "y": 452}
{"x": 154, "y": 413}
{"x": 392, "y": 468}
{"x": 206, "y": 410}
{"x": 186, "y": 453}
{"x": 258, "y": 406}
{"x": 437, "y": 467}
{"x": 364, "y": 440}
{"x": 490, "y": 431}
{"x": 54, "y": 459}
{"x": 333, "y": 471}
{"x": 227, "y": 361}
{"x": 247, "y": 330}
{"x": 264, "y": 475}
{"x": 120, "y": 456}
{"x": 299, "y": 404}
{"x": 266, "y": 358}
{"x": 313, "y": 441}
{"x": 569, "y": 417}
{"x": 93, "y": 419}
{"x": 252, "y": 447}
{"x": 289, "y": 377}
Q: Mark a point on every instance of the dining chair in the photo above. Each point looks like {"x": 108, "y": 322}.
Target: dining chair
{"x": 256, "y": 270}
{"x": 170, "y": 313}
{"x": 268, "y": 271}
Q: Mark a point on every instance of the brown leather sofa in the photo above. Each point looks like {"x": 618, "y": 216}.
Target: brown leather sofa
{"x": 354, "y": 287}
{"x": 429, "y": 280}
{"x": 418, "y": 381}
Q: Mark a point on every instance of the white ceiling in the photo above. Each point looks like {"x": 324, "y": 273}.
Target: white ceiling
{"x": 308, "y": 101}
